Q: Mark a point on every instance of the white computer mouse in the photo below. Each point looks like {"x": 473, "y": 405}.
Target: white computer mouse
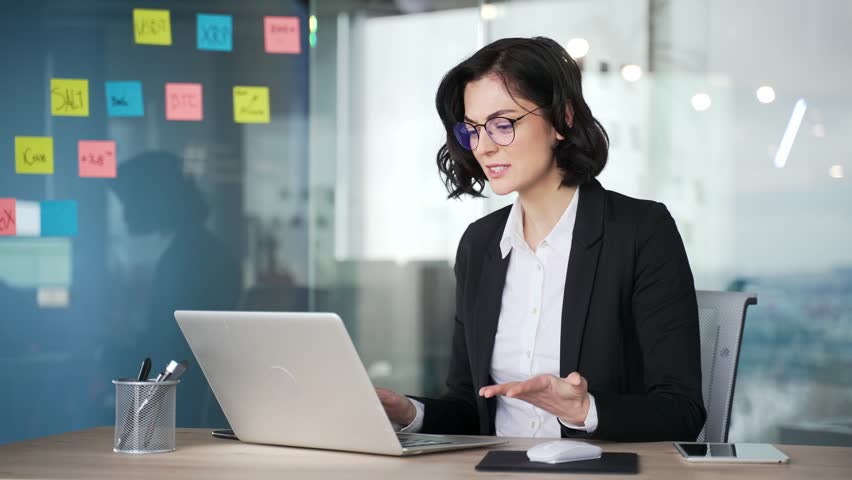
{"x": 559, "y": 451}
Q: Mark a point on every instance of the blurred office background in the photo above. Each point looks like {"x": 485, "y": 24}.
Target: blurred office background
{"x": 732, "y": 113}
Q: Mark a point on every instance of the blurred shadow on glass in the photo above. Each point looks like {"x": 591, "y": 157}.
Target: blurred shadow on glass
{"x": 20, "y": 348}
{"x": 196, "y": 271}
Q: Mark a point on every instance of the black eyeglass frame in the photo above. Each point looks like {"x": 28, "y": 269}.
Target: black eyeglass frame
{"x": 476, "y": 126}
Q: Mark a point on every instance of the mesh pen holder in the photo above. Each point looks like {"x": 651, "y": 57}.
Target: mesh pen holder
{"x": 144, "y": 416}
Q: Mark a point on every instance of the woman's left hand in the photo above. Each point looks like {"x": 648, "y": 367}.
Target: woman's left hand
{"x": 567, "y": 398}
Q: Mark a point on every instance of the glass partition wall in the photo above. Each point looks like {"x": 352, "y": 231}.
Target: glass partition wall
{"x": 730, "y": 113}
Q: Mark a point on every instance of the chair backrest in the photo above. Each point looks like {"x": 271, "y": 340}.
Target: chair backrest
{"x": 721, "y": 316}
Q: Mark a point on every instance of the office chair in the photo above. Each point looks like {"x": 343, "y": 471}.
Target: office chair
{"x": 721, "y": 317}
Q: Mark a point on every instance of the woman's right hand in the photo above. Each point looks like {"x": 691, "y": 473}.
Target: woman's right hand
{"x": 399, "y": 408}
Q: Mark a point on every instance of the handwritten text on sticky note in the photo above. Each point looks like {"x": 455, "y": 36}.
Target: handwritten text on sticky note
{"x": 251, "y": 104}
{"x": 69, "y": 97}
{"x": 215, "y": 32}
{"x": 34, "y": 155}
{"x": 124, "y": 99}
{"x": 7, "y": 216}
{"x": 152, "y": 27}
{"x": 184, "y": 101}
{"x": 281, "y": 35}
{"x": 96, "y": 158}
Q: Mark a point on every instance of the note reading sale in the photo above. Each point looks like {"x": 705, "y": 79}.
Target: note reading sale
{"x": 251, "y": 104}
{"x": 34, "y": 155}
{"x": 152, "y": 27}
{"x": 69, "y": 97}
{"x": 96, "y": 158}
{"x": 184, "y": 102}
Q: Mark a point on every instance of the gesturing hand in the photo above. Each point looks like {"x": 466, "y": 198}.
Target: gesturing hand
{"x": 398, "y": 407}
{"x": 567, "y": 398}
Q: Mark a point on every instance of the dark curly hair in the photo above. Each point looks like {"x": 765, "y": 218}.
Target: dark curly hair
{"x": 541, "y": 71}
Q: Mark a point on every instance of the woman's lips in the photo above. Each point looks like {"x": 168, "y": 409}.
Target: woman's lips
{"x": 497, "y": 171}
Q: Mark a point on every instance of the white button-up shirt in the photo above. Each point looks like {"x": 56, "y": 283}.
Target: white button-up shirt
{"x": 530, "y": 324}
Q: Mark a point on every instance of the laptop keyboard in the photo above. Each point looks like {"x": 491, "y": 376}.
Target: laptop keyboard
{"x": 414, "y": 442}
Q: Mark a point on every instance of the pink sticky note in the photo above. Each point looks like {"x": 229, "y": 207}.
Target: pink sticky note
{"x": 7, "y": 216}
{"x": 184, "y": 102}
{"x": 97, "y": 158}
{"x": 282, "y": 35}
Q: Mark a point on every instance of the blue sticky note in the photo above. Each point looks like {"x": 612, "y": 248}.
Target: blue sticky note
{"x": 124, "y": 99}
{"x": 58, "y": 218}
{"x": 215, "y": 32}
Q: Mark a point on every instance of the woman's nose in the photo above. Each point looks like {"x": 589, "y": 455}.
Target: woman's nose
{"x": 485, "y": 145}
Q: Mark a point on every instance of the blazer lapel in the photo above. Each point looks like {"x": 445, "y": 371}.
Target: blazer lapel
{"x": 488, "y": 303}
{"x": 582, "y": 267}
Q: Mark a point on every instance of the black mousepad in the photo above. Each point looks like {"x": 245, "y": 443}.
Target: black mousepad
{"x": 517, "y": 461}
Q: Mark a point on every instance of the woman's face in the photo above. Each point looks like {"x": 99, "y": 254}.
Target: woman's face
{"x": 528, "y": 161}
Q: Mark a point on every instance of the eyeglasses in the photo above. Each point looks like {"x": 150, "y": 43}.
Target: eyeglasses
{"x": 501, "y": 130}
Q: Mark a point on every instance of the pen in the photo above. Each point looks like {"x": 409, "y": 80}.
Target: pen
{"x": 144, "y": 371}
{"x": 125, "y": 426}
{"x": 173, "y": 372}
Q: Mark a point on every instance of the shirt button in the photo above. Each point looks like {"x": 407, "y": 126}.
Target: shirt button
{"x": 534, "y": 310}
{"x": 529, "y": 354}
{"x": 539, "y": 267}
{"x": 532, "y": 423}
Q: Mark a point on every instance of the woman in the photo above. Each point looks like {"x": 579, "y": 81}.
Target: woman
{"x": 576, "y": 308}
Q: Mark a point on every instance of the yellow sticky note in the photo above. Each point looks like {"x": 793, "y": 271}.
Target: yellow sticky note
{"x": 34, "y": 155}
{"x": 251, "y": 104}
{"x": 69, "y": 97}
{"x": 152, "y": 27}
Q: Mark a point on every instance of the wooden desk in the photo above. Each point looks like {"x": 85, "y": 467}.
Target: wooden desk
{"x": 88, "y": 454}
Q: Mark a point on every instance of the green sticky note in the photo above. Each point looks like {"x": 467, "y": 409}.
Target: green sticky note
{"x": 34, "y": 155}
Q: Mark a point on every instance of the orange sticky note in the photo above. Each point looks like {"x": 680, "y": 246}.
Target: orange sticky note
{"x": 281, "y": 35}
{"x": 34, "y": 155}
{"x": 97, "y": 158}
{"x": 184, "y": 102}
{"x": 7, "y": 216}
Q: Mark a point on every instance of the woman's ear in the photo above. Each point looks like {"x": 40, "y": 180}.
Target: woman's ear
{"x": 569, "y": 119}
{"x": 569, "y": 115}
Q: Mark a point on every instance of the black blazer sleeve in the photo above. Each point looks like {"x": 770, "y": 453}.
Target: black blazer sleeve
{"x": 665, "y": 315}
{"x": 455, "y": 412}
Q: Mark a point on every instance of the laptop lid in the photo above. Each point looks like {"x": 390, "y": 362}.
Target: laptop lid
{"x": 289, "y": 379}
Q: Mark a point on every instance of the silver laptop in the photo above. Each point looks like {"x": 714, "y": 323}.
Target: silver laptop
{"x": 295, "y": 379}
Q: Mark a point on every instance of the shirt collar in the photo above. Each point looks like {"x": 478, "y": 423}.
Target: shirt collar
{"x": 559, "y": 238}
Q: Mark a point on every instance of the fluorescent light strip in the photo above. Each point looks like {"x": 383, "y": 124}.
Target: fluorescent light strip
{"x": 790, "y": 133}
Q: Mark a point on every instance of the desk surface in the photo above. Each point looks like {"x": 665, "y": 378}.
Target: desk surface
{"x": 88, "y": 454}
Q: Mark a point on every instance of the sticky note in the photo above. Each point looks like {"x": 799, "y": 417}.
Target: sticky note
{"x": 34, "y": 155}
{"x": 152, "y": 27}
{"x": 96, "y": 158}
{"x": 281, "y": 35}
{"x": 251, "y": 104}
{"x": 58, "y": 218}
{"x": 215, "y": 32}
{"x": 29, "y": 218}
{"x": 124, "y": 99}
{"x": 184, "y": 101}
{"x": 69, "y": 97}
{"x": 8, "y": 214}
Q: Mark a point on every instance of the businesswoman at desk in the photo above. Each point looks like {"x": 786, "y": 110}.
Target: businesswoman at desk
{"x": 576, "y": 310}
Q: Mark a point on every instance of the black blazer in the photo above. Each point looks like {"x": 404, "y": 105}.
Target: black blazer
{"x": 629, "y": 323}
